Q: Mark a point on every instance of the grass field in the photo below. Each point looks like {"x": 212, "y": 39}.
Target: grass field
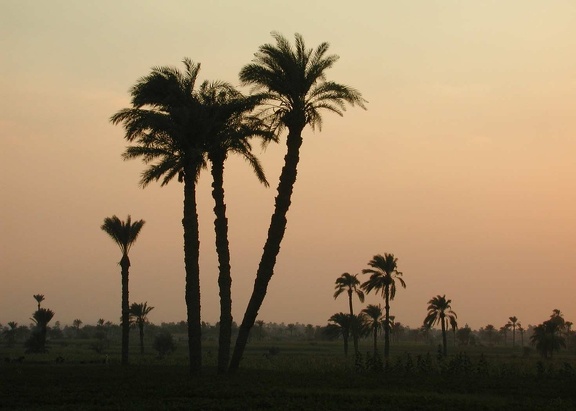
{"x": 288, "y": 376}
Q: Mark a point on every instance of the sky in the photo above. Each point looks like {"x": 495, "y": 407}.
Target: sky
{"x": 463, "y": 165}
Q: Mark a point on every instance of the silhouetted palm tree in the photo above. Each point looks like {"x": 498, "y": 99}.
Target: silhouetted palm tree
{"x": 229, "y": 128}
{"x": 454, "y": 327}
{"x": 340, "y": 325}
{"x": 10, "y": 333}
{"x": 41, "y": 318}
{"x": 440, "y": 312}
{"x": 374, "y": 321}
{"x": 295, "y": 89}
{"x": 513, "y": 323}
{"x": 166, "y": 125}
{"x": 139, "y": 315}
{"x": 39, "y": 298}
{"x": 547, "y": 337}
{"x": 351, "y": 285}
{"x": 124, "y": 233}
{"x": 383, "y": 276}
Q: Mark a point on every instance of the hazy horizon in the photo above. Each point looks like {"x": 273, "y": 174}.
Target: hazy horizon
{"x": 462, "y": 167}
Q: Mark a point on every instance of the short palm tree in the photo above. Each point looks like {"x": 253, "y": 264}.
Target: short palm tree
{"x": 548, "y": 336}
{"x": 165, "y": 126}
{"x": 513, "y": 323}
{"x": 124, "y": 234}
{"x": 41, "y": 318}
{"x": 383, "y": 276}
{"x": 339, "y": 325}
{"x": 374, "y": 321}
{"x": 39, "y": 298}
{"x": 139, "y": 315}
{"x": 295, "y": 91}
{"x": 351, "y": 285}
{"x": 440, "y": 312}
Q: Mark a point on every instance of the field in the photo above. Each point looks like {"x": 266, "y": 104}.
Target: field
{"x": 295, "y": 375}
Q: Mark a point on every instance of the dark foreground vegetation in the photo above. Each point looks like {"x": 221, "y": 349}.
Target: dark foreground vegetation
{"x": 289, "y": 375}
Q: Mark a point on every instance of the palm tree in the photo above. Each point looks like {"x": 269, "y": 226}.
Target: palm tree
{"x": 521, "y": 331}
{"x": 39, "y": 298}
{"x": 230, "y": 127}
{"x": 41, "y": 318}
{"x": 139, "y": 314}
{"x": 383, "y": 276}
{"x": 164, "y": 123}
{"x": 10, "y": 333}
{"x": 350, "y": 283}
{"x": 440, "y": 311}
{"x": 295, "y": 91}
{"x": 339, "y": 325}
{"x": 124, "y": 233}
{"x": 374, "y": 321}
{"x": 547, "y": 337}
{"x": 454, "y": 327}
{"x": 513, "y": 323}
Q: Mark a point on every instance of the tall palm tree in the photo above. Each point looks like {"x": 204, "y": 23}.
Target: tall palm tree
{"x": 440, "y": 312}
{"x": 124, "y": 233}
{"x": 165, "y": 124}
{"x": 383, "y": 276}
{"x": 139, "y": 314}
{"x": 513, "y": 323}
{"x": 39, "y": 298}
{"x": 293, "y": 83}
{"x": 351, "y": 285}
{"x": 374, "y": 321}
{"x": 230, "y": 127}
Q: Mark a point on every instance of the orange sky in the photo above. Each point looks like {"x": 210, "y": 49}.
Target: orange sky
{"x": 463, "y": 166}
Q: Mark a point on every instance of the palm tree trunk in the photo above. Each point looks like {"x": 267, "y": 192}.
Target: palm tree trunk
{"x": 141, "y": 329}
{"x": 444, "y": 342}
{"x": 272, "y": 247}
{"x": 223, "y": 251}
{"x": 375, "y": 341}
{"x": 387, "y": 324}
{"x": 191, "y": 257}
{"x": 125, "y": 265}
{"x": 353, "y": 323}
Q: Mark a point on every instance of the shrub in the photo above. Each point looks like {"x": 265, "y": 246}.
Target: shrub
{"x": 164, "y": 343}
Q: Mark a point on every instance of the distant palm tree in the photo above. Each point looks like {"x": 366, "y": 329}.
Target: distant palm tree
{"x": 521, "y": 331}
{"x": 374, "y": 321}
{"x": 163, "y": 123}
{"x": 39, "y": 298}
{"x": 41, "y": 318}
{"x": 383, "y": 276}
{"x": 293, "y": 84}
{"x": 351, "y": 285}
{"x": 10, "y": 333}
{"x": 76, "y": 324}
{"x": 454, "y": 327}
{"x": 124, "y": 233}
{"x": 513, "y": 323}
{"x": 139, "y": 315}
{"x": 547, "y": 337}
{"x": 440, "y": 312}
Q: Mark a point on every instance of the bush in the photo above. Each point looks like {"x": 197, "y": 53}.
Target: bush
{"x": 164, "y": 343}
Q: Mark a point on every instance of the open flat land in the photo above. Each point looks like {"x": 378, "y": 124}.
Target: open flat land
{"x": 289, "y": 376}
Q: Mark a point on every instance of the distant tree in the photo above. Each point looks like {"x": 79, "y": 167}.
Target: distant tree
{"x": 10, "y": 333}
{"x": 454, "y": 327}
{"x": 351, "y": 285}
{"x": 374, "y": 322}
{"x": 440, "y": 312}
{"x": 383, "y": 276}
{"x": 139, "y": 315}
{"x": 513, "y": 323}
{"x": 464, "y": 334}
{"x": 521, "y": 331}
{"x": 164, "y": 343}
{"x": 339, "y": 325}
{"x": 568, "y": 326}
{"x": 295, "y": 90}
{"x": 76, "y": 324}
{"x": 548, "y": 336}
{"x": 124, "y": 233}
{"x": 489, "y": 332}
{"x": 37, "y": 340}
{"x": 259, "y": 331}
{"x": 39, "y": 298}
{"x": 504, "y": 332}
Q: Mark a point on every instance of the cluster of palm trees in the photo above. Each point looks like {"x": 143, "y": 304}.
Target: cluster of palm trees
{"x": 177, "y": 128}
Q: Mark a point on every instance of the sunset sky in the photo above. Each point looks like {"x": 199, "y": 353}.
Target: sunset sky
{"x": 463, "y": 165}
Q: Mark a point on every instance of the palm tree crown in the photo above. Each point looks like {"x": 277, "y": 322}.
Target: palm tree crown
{"x": 351, "y": 285}
{"x": 124, "y": 233}
{"x": 294, "y": 83}
{"x": 440, "y": 312}
{"x": 383, "y": 275}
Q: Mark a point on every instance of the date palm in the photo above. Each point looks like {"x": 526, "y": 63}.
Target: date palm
{"x": 513, "y": 323}
{"x": 547, "y": 337}
{"x": 295, "y": 91}
{"x": 124, "y": 234}
{"x": 164, "y": 124}
{"x": 383, "y": 276}
{"x": 374, "y": 321}
{"x": 139, "y": 315}
{"x": 339, "y": 325}
{"x": 41, "y": 318}
{"x": 440, "y": 312}
{"x": 351, "y": 285}
{"x": 39, "y": 298}
{"x": 229, "y": 129}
